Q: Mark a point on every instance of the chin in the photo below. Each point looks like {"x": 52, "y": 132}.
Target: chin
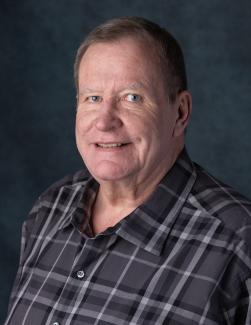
{"x": 109, "y": 172}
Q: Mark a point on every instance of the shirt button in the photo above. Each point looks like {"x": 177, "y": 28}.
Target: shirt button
{"x": 55, "y": 323}
{"x": 80, "y": 274}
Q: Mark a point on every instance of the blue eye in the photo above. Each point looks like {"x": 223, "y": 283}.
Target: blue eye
{"x": 133, "y": 98}
{"x": 94, "y": 99}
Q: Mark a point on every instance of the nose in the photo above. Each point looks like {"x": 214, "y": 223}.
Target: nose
{"x": 108, "y": 117}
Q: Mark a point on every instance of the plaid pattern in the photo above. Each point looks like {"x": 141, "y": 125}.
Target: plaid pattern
{"x": 183, "y": 257}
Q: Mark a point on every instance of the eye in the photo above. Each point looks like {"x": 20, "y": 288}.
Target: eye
{"x": 94, "y": 99}
{"x": 133, "y": 98}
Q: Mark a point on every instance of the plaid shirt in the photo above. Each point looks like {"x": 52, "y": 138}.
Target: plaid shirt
{"x": 182, "y": 257}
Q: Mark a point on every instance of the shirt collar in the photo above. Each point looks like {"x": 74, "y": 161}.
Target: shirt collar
{"x": 84, "y": 196}
{"x": 149, "y": 225}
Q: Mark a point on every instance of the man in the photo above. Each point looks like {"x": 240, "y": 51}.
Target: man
{"x": 148, "y": 237}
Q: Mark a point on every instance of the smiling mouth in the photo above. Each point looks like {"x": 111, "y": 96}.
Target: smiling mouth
{"x": 110, "y": 145}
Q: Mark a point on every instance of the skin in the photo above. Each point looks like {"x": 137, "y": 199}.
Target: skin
{"x": 123, "y": 98}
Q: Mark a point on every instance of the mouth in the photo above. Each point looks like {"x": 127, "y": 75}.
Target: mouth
{"x": 111, "y": 145}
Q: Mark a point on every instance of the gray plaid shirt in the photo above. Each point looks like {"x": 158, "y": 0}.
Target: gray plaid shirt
{"x": 182, "y": 257}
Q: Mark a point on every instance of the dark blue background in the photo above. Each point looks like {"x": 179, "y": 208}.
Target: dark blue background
{"x": 38, "y": 41}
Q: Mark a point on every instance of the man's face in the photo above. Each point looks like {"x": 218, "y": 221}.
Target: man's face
{"x": 124, "y": 122}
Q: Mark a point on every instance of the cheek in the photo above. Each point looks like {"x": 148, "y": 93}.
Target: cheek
{"x": 78, "y": 126}
{"x": 83, "y": 123}
{"x": 78, "y": 133}
{"x": 81, "y": 133}
{"x": 149, "y": 127}
{"x": 146, "y": 134}
{"x": 154, "y": 134}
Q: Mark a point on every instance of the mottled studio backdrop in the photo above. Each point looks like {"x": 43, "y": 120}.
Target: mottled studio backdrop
{"x": 38, "y": 42}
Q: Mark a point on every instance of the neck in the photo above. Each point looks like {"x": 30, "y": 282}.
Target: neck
{"x": 136, "y": 189}
{"x": 115, "y": 200}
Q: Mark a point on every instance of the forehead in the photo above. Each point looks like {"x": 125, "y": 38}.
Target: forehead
{"x": 126, "y": 44}
{"x": 127, "y": 56}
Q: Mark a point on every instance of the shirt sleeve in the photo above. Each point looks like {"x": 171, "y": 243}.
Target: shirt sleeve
{"x": 238, "y": 311}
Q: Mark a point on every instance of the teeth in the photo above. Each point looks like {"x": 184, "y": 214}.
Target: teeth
{"x": 109, "y": 145}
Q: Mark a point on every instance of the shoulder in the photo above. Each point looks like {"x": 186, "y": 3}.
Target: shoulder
{"x": 72, "y": 180}
{"x": 226, "y": 216}
{"x": 50, "y": 209}
{"x": 221, "y": 202}
{"x": 56, "y": 196}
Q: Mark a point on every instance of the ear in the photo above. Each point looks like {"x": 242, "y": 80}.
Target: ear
{"x": 184, "y": 108}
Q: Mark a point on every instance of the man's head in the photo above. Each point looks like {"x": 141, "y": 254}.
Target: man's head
{"x": 130, "y": 123}
{"x": 167, "y": 51}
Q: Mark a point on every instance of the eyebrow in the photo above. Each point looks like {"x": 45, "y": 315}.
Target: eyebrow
{"x": 87, "y": 90}
{"x": 132, "y": 86}
{"x": 135, "y": 85}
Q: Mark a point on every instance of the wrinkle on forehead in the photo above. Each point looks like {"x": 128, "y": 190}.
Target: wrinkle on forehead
{"x": 129, "y": 65}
